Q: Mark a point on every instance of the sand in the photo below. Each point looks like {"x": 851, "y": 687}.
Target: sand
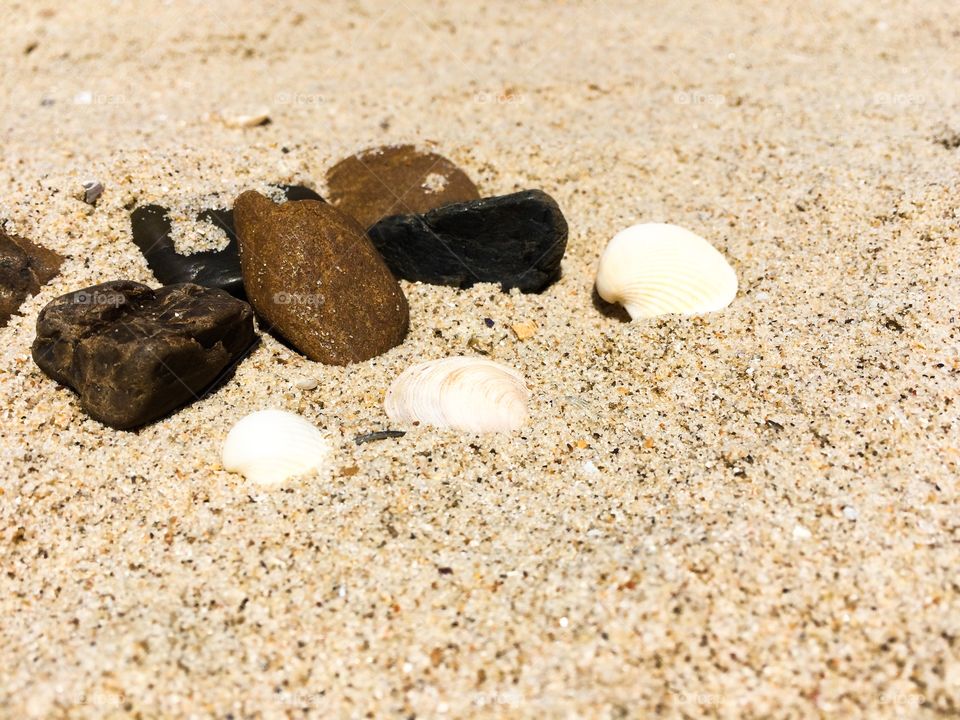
{"x": 748, "y": 514}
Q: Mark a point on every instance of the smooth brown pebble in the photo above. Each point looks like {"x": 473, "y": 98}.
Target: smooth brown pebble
{"x": 314, "y": 276}
{"x": 396, "y": 180}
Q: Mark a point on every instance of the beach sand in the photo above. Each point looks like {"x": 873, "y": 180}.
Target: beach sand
{"x": 752, "y": 513}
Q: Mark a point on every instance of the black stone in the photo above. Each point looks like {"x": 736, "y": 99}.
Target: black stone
{"x": 516, "y": 240}
{"x": 211, "y": 268}
{"x": 134, "y": 354}
{"x": 379, "y": 435}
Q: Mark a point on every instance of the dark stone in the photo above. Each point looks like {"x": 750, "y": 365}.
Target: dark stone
{"x": 312, "y": 274}
{"x": 396, "y": 180}
{"x": 24, "y": 268}
{"x": 516, "y": 240}
{"x": 379, "y": 435}
{"x": 134, "y": 354}
{"x": 210, "y": 268}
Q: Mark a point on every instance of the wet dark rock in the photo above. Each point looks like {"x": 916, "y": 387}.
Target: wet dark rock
{"x": 211, "y": 268}
{"x": 516, "y": 240}
{"x": 24, "y": 268}
{"x": 134, "y": 354}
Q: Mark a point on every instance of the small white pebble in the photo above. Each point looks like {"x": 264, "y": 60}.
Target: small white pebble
{"x": 407, "y": 667}
{"x": 92, "y": 190}
{"x": 306, "y": 383}
{"x": 762, "y": 295}
{"x": 850, "y": 512}
{"x": 590, "y": 469}
{"x": 801, "y": 533}
{"x": 564, "y": 622}
{"x": 261, "y": 116}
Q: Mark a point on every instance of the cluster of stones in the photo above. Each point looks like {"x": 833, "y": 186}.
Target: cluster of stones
{"x": 323, "y": 276}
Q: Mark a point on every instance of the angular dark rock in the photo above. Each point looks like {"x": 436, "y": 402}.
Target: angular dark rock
{"x": 24, "y": 268}
{"x": 379, "y": 435}
{"x": 396, "y": 180}
{"x": 312, "y": 274}
{"x": 516, "y": 240}
{"x": 134, "y": 354}
{"x": 211, "y": 268}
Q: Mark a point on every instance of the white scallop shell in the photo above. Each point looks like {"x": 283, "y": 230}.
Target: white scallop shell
{"x": 657, "y": 268}
{"x": 270, "y": 446}
{"x": 470, "y": 394}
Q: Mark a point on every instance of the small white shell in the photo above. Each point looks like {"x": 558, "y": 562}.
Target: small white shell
{"x": 657, "y": 268}
{"x": 469, "y": 394}
{"x": 269, "y": 446}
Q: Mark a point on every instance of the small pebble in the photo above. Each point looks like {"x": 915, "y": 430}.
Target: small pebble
{"x": 306, "y": 383}
{"x": 524, "y": 330}
{"x": 92, "y": 190}
{"x": 379, "y": 435}
{"x": 260, "y": 117}
{"x": 850, "y": 512}
{"x": 801, "y": 533}
{"x": 489, "y": 322}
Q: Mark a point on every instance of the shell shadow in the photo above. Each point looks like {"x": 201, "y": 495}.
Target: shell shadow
{"x": 609, "y": 310}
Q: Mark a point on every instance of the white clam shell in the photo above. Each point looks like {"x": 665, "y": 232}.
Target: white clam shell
{"x": 270, "y": 446}
{"x": 469, "y": 394}
{"x": 657, "y": 268}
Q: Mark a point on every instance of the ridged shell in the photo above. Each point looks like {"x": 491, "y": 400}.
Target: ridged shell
{"x": 270, "y": 446}
{"x": 657, "y": 268}
{"x": 461, "y": 393}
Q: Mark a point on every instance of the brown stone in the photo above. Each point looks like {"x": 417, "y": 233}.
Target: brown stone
{"x": 24, "y": 268}
{"x": 134, "y": 354}
{"x": 396, "y": 180}
{"x": 313, "y": 275}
